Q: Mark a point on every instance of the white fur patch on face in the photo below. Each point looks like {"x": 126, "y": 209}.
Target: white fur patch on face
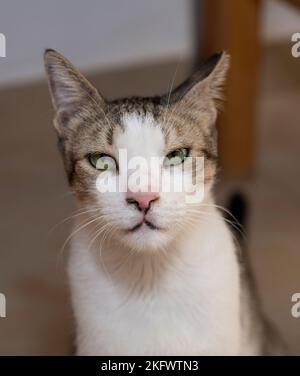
{"x": 142, "y": 136}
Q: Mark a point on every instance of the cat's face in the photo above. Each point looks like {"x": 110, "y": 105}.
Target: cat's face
{"x": 123, "y": 157}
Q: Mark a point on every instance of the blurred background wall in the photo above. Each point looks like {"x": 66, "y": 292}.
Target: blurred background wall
{"x": 97, "y": 35}
{"x": 105, "y": 35}
{"x": 132, "y": 47}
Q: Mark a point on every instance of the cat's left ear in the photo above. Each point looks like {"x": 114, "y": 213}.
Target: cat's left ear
{"x": 206, "y": 83}
{"x": 72, "y": 94}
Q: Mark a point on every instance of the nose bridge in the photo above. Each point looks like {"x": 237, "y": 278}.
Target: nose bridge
{"x": 144, "y": 175}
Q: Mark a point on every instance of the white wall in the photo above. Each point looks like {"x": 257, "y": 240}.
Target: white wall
{"x": 92, "y": 33}
{"x": 110, "y": 33}
{"x": 279, "y": 21}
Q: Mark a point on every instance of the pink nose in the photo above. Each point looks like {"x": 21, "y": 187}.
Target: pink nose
{"x": 142, "y": 200}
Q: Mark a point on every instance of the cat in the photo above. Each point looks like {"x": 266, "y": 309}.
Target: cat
{"x": 150, "y": 273}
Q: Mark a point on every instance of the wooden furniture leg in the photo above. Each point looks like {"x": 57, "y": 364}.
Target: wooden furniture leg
{"x": 232, "y": 25}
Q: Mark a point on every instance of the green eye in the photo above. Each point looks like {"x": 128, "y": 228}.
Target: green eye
{"x": 102, "y": 162}
{"x": 176, "y": 157}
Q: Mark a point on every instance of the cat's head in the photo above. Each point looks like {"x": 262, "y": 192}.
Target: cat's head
{"x": 106, "y": 143}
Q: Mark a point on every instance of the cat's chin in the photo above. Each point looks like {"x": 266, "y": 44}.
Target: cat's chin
{"x": 146, "y": 238}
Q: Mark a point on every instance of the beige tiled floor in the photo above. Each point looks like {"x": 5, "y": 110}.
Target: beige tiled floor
{"x": 275, "y": 193}
{"x": 34, "y": 198}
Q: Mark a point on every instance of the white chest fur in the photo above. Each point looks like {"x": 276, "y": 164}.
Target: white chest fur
{"x": 183, "y": 303}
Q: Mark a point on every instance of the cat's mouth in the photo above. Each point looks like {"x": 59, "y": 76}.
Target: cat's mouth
{"x": 145, "y": 223}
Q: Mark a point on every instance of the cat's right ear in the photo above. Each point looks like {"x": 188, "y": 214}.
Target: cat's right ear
{"x": 72, "y": 94}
